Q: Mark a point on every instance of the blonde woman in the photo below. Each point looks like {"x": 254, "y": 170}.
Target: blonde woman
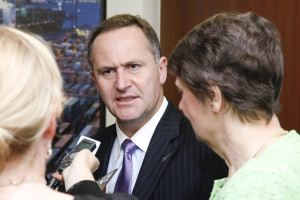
{"x": 31, "y": 99}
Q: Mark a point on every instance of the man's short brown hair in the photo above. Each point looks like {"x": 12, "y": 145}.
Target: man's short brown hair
{"x": 126, "y": 20}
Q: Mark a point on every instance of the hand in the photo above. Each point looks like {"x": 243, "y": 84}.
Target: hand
{"x": 58, "y": 176}
{"x": 81, "y": 168}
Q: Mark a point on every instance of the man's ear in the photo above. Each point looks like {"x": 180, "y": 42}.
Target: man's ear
{"x": 50, "y": 131}
{"x": 92, "y": 74}
{"x": 163, "y": 70}
{"x": 217, "y": 100}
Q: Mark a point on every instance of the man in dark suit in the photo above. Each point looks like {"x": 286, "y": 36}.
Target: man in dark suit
{"x": 167, "y": 161}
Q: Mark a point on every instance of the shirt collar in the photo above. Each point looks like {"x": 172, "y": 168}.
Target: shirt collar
{"x": 143, "y": 136}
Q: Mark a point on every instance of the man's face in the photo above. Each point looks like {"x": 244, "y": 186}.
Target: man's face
{"x": 127, "y": 76}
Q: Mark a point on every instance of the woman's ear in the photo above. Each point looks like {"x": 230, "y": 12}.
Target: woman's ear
{"x": 217, "y": 100}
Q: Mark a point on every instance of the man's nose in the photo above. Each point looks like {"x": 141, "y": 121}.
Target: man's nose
{"x": 123, "y": 80}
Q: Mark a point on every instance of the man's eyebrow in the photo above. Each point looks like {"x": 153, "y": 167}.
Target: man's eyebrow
{"x": 102, "y": 68}
{"x": 132, "y": 61}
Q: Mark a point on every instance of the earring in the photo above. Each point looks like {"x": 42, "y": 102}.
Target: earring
{"x": 49, "y": 152}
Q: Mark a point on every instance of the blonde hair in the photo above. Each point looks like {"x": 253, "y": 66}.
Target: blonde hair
{"x": 30, "y": 88}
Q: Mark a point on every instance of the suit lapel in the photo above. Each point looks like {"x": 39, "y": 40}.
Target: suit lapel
{"x": 103, "y": 154}
{"x": 162, "y": 147}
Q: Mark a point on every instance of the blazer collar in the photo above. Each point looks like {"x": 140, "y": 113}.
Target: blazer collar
{"x": 162, "y": 147}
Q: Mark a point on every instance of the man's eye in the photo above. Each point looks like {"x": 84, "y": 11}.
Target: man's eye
{"x": 133, "y": 66}
{"x": 107, "y": 72}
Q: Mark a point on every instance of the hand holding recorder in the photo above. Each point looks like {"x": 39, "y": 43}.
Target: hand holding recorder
{"x": 81, "y": 168}
{"x": 77, "y": 165}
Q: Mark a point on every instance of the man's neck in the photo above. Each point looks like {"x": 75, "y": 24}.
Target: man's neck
{"x": 131, "y": 127}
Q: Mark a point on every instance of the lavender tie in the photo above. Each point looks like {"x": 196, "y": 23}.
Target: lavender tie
{"x": 123, "y": 183}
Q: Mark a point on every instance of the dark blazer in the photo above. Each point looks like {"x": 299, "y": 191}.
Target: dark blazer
{"x": 176, "y": 165}
{"x": 89, "y": 190}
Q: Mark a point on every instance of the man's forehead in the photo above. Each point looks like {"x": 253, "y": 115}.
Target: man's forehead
{"x": 120, "y": 48}
{"x": 129, "y": 36}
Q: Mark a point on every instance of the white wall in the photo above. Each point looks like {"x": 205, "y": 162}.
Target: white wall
{"x": 147, "y": 9}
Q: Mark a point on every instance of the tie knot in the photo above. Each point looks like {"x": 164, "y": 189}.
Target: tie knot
{"x": 129, "y": 146}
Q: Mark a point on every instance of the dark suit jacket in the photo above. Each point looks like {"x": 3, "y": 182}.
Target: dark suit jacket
{"x": 89, "y": 190}
{"x": 176, "y": 165}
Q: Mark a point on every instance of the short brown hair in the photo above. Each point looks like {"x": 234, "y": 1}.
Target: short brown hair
{"x": 125, "y": 20}
{"x": 238, "y": 52}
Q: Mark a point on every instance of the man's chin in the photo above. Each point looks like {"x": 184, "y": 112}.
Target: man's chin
{"x": 126, "y": 120}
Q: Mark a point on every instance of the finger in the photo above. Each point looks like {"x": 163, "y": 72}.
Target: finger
{"x": 58, "y": 176}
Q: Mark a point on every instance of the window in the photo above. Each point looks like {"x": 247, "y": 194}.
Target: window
{"x": 66, "y": 26}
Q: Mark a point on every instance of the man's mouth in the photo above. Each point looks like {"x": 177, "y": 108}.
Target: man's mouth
{"x": 125, "y": 99}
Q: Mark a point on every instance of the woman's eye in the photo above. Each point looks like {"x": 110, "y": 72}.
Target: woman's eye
{"x": 179, "y": 91}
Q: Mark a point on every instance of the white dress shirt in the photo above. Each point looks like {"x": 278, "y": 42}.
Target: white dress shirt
{"x": 142, "y": 139}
